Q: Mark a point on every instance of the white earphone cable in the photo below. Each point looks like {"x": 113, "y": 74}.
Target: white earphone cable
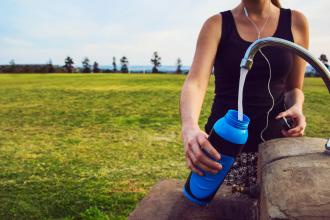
{"x": 269, "y": 66}
{"x": 271, "y": 95}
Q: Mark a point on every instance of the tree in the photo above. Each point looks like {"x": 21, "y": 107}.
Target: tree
{"x": 12, "y": 66}
{"x": 12, "y": 62}
{"x": 96, "y": 68}
{"x": 68, "y": 64}
{"x": 50, "y": 67}
{"x": 124, "y": 64}
{"x": 86, "y": 65}
{"x": 114, "y": 64}
{"x": 155, "y": 60}
{"x": 179, "y": 65}
{"x": 324, "y": 60}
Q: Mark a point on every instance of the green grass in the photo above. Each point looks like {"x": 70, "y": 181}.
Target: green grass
{"x": 91, "y": 146}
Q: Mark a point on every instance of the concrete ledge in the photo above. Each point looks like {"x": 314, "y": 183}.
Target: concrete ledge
{"x": 294, "y": 175}
{"x": 165, "y": 201}
{"x": 276, "y": 149}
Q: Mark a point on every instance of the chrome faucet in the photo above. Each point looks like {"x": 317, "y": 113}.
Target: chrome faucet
{"x": 247, "y": 61}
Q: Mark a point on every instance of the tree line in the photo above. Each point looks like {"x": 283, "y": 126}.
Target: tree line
{"x": 87, "y": 66}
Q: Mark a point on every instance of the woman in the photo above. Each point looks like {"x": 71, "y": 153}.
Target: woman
{"x": 221, "y": 44}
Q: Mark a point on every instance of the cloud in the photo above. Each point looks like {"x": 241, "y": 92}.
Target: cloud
{"x": 33, "y": 31}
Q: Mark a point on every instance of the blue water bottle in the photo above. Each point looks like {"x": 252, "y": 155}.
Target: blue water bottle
{"x": 228, "y": 137}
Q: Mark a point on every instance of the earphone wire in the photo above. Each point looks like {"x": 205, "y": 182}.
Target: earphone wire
{"x": 271, "y": 95}
{"x": 269, "y": 66}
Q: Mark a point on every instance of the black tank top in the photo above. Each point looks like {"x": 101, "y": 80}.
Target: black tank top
{"x": 256, "y": 98}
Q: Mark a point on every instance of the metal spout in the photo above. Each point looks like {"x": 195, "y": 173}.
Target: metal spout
{"x": 247, "y": 61}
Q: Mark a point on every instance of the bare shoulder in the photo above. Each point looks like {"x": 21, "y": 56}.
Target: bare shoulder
{"x": 213, "y": 20}
{"x": 300, "y": 27}
{"x": 299, "y": 20}
{"x": 212, "y": 27}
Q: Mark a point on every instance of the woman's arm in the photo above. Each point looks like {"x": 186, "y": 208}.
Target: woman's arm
{"x": 192, "y": 97}
{"x": 294, "y": 97}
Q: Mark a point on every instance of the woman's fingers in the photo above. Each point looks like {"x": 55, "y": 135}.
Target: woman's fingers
{"x": 287, "y": 134}
{"x": 199, "y": 153}
{"x": 206, "y": 145}
{"x": 287, "y": 113}
{"x": 191, "y": 166}
{"x": 202, "y": 160}
{"x": 297, "y": 131}
{"x": 300, "y": 126}
{"x": 201, "y": 165}
{"x": 299, "y": 122}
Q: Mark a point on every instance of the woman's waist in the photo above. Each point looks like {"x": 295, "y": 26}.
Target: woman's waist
{"x": 251, "y": 90}
{"x": 253, "y": 100}
{"x": 251, "y": 107}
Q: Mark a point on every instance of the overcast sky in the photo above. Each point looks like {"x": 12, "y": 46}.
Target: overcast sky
{"x": 34, "y": 31}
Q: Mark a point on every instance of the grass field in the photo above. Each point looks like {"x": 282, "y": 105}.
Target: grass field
{"x": 91, "y": 146}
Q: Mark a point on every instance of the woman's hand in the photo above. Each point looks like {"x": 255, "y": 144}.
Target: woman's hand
{"x": 299, "y": 121}
{"x": 195, "y": 141}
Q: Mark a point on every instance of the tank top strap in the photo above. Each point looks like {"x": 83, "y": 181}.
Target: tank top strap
{"x": 227, "y": 25}
{"x": 284, "y": 26}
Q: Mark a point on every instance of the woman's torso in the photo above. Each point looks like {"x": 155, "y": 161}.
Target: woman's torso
{"x": 256, "y": 98}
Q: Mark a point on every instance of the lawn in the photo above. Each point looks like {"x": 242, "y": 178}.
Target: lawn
{"x": 91, "y": 146}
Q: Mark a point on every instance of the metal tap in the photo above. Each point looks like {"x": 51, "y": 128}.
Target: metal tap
{"x": 247, "y": 60}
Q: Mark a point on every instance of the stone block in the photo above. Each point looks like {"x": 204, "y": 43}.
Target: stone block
{"x": 294, "y": 175}
{"x": 165, "y": 201}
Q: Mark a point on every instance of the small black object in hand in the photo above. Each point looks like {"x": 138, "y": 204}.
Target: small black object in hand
{"x": 287, "y": 123}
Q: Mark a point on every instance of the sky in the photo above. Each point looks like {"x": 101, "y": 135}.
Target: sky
{"x": 34, "y": 31}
